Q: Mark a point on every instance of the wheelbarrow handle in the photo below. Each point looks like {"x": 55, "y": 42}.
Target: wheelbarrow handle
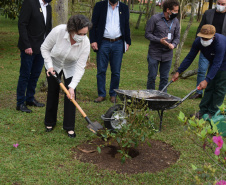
{"x": 178, "y": 103}
{"x": 167, "y": 85}
{"x": 67, "y": 92}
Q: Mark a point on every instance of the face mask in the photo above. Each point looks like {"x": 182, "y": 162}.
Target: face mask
{"x": 113, "y": 1}
{"x": 47, "y": 1}
{"x": 206, "y": 43}
{"x": 220, "y": 8}
{"x": 173, "y": 15}
{"x": 78, "y": 38}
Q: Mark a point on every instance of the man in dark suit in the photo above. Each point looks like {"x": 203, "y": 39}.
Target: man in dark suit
{"x": 217, "y": 18}
{"x": 35, "y": 22}
{"x": 109, "y": 37}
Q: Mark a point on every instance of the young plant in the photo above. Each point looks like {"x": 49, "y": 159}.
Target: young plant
{"x": 205, "y": 134}
{"x": 138, "y": 129}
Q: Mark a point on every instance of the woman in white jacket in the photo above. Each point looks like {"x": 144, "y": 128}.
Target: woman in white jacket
{"x": 65, "y": 50}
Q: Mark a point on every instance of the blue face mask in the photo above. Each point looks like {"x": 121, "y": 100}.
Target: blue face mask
{"x": 47, "y": 1}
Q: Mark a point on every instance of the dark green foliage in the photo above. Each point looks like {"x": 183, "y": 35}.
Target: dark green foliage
{"x": 10, "y": 8}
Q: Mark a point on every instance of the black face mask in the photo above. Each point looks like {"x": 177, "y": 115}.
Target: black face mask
{"x": 113, "y": 1}
{"x": 173, "y": 15}
{"x": 47, "y": 1}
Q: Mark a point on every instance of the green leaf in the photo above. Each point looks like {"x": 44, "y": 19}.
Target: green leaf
{"x": 192, "y": 123}
{"x": 99, "y": 149}
{"x": 123, "y": 159}
{"x": 181, "y": 116}
{"x": 203, "y": 133}
{"x": 193, "y": 167}
{"x": 224, "y": 147}
{"x": 125, "y": 144}
{"x": 149, "y": 144}
{"x": 214, "y": 127}
{"x": 118, "y": 139}
{"x": 222, "y": 107}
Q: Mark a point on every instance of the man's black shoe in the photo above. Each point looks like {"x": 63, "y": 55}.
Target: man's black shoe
{"x": 196, "y": 96}
{"x": 23, "y": 108}
{"x": 35, "y": 103}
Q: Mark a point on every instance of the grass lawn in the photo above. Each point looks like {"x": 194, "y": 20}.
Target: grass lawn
{"x": 47, "y": 158}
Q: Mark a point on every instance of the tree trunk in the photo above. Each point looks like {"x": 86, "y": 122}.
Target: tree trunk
{"x": 210, "y": 4}
{"x": 60, "y": 12}
{"x": 152, "y": 11}
{"x": 139, "y": 18}
{"x": 129, "y": 3}
{"x": 189, "y": 73}
{"x": 178, "y": 51}
{"x": 138, "y": 21}
{"x": 147, "y": 9}
{"x": 199, "y": 15}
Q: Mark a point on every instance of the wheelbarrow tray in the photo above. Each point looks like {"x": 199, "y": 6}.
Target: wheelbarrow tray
{"x": 153, "y": 99}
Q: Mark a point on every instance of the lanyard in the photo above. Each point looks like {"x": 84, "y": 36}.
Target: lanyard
{"x": 167, "y": 24}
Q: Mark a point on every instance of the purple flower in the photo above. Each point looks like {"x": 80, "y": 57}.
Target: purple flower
{"x": 16, "y": 145}
{"x": 221, "y": 182}
{"x": 218, "y": 140}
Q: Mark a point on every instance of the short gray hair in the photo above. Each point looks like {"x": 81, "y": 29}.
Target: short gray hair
{"x": 77, "y": 22}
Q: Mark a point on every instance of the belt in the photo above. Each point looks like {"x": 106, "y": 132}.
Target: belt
{"x": 112, "y": 40}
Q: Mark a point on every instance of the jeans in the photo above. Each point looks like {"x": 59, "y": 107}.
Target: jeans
{"x": 113, "y": 52}
{"x": 203, "y": 66}
{"x": 53, "y": 101}
{"x": 214, "y": 94}
{"x": 30, "y": 70}
{"x": 153, "y": 70}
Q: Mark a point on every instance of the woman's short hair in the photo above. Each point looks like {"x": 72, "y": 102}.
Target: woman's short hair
{"x": 77, "y": 22}
{"x": 170, "y": 4}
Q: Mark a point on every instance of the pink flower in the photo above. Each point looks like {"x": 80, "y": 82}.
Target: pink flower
{"x": 16, "y": 145}
{"x": 221, "y": 182}
{"x": 217, "y": 151}
{"x": 218, "y": 140}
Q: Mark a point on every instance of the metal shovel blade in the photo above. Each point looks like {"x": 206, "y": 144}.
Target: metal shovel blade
{"x": 94, "y": 127}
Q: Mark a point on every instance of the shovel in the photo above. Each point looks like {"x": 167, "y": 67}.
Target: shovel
{"x": 92, "y": 126}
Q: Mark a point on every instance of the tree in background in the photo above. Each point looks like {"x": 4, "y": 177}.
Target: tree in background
{"x": 10, "y": 8}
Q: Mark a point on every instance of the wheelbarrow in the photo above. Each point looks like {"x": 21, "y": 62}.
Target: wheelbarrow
{"x": 155, "y": 100}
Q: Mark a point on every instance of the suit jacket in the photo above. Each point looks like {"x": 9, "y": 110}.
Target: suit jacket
{"x": 207, "y": 18}
{"x": 99, "y": 21}
{"x": 31, "y": 25}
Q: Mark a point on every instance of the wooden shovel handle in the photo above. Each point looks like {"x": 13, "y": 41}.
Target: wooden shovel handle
{"x": 73, "y": 100}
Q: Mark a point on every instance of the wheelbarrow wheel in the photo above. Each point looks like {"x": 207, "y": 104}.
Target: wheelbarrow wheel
{"x": 115, "y": 117}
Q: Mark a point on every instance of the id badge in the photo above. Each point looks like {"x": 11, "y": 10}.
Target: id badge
{"x": 169, "y": 36}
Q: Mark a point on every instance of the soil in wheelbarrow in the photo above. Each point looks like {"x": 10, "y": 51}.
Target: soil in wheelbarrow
{"x": 145, "y": 158}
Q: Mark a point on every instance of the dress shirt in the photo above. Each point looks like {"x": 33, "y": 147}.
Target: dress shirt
{"x": 43, "y": 6}
{"x": 158, "y": 28}
{"x": 112, "y": 27}
{"x": 58, "y": 53}
{"x": 215, "y": 54}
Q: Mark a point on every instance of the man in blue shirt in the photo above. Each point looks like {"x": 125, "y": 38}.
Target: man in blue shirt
{"x": 109, "y": 38}
{"x": 213, "y": 47}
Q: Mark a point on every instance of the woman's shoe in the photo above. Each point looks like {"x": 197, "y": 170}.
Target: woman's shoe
{"x": 71, "y": 133}
{"x": 49, "y": 128}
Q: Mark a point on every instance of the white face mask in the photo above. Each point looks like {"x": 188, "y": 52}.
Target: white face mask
{"x": 220, "y": 8}
{"x": 206, "y": 43}
{"x": 78, "y": 38}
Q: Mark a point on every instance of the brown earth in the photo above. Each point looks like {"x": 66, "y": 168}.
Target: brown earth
{"x": 145, "y": 158}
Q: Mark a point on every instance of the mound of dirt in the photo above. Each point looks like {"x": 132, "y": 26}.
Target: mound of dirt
{"x": 144, "y": 158}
